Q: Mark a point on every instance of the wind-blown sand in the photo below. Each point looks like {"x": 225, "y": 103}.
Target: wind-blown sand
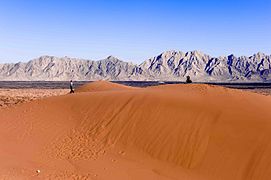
{"x": 196, "y": 132}
{"x": 102, "y": 86}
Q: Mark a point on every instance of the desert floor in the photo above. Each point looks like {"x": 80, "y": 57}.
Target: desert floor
{"x": 266, "y": 92}
{"x": 9, "y": 97}
{"x": 111, "y": 131}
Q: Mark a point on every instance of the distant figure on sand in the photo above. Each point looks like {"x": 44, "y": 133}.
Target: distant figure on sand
{"x": 188, "y": 80}
{"x": 71, "y": 87}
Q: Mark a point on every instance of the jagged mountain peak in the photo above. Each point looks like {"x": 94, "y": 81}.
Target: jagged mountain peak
{"x": 232, "y": 56}
{"x": 168, "y": 66}
{"x": 111, "y": 57}
{"x": 46, "y": 57}
{"x": 260, "y": 55}
{"x": 197, "y": 53}
{"x": 171, "y": 52}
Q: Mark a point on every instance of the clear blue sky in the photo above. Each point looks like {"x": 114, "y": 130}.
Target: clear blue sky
{"x": 132, "y": 30}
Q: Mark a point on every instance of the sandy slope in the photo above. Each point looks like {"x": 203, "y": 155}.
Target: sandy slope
{"x": 166, "y": 132}
{"x": 102, "y": 86}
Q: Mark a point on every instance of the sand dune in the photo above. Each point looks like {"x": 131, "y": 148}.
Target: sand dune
{"x": 116, "y": 132}
{"x": 102, "y": 86}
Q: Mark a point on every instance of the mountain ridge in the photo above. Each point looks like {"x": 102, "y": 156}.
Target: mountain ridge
{"x": 167, "y": 66}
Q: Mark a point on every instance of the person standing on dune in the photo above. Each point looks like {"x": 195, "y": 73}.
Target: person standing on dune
{"x": 71, "y": 87}
{"x": 188, "y": 80}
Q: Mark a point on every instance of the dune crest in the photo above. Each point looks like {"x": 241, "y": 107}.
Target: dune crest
{"x": 206, "y": 132}
{"x": 102, "y": 86}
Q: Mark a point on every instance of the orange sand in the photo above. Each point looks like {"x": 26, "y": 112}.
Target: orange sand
{"x": 102, "y": 86}
{"x": 196, "y": 132}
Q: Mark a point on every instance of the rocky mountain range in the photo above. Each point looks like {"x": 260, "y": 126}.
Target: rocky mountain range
{"x": 167, "y": 66}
